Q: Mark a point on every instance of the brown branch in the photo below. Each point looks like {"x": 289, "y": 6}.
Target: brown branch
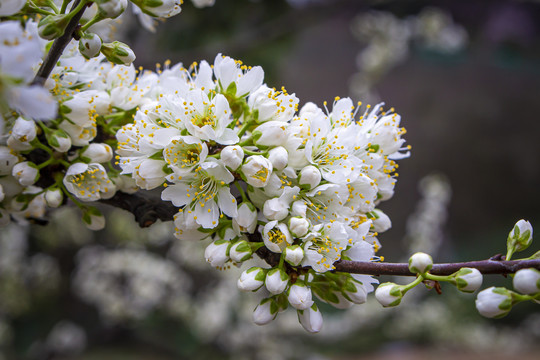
{"x": 58, "y": 47}
{"x": 147, "y": 210}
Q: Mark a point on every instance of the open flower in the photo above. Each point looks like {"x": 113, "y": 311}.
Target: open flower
{"x": 89, "y": 182}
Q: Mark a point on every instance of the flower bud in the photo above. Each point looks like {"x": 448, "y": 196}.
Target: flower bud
{"x": 279, "y": 157}
{"x": 159, "y": 8}
{"x": 420, "y": 263}
{"x": 60, "y": 141}
{"x": 98, "y": 153}
{"x": 111, "y": 9}
{"x": 310, "y": 176}
{"x": 300, "y": 296}
{"x": 276, "y": 281}
{"x": 217, "y": 253}
{"x": 311, "y": 319}
{"x": 251, "y": 279}
{"x": 520, "y": 237}
{"x": 54, "y": 197}
{"x": 527, "y": 281}
{"x": 93, "y": 219}
{"x": 468, "y": 279}
{"x": 26, "y": 173}
{"x": 7, "y": 160}
{"x": 246, "y": 221}
{"x": 232, "y": 156}
{"x": 381, "y": 221}
{"x": 118, "y": 53}
{"x": 299, "y": 208}
{"x": 355, "y": 292}
{"x": 90, "y": 45}
{"x": 274, "y": 209}
{"x": 294, "y": 255}
{"x": 53, "y": 26}
{"x": 389, "y": 294}
{"x": 240, "y": 251}
{"x": 299, "y": 226}
{"x": 494, "y": 302}
{"x": 24, "y": 130}
{"x": 265, "y": 312}
{"x": 256, "y": 170}
{"x": 271, "y": 133}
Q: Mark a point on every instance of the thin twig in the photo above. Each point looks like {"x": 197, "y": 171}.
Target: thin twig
{"x": 148, "y": 210}
{"x": 58, "y": 47}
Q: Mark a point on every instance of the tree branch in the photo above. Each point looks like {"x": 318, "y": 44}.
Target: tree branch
{"x": 147, "y": 210}
{"x": 58, "y": 47}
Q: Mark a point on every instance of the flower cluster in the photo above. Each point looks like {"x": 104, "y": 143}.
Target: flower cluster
{"x": 306, "y": 181}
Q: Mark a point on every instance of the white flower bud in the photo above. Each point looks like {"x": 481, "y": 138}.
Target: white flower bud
{"x": 294, "y": 255}
{"x": 7, "y": 160}
{"x": 93, "y": 219}
{"x": 381, "y": 221}
{"x": 355, "y": 292}
{"x": 274, "y": 209}
{"x": 111, "y": 8}
{"x": 310, "y": 176}
{"x": 311, "y": 319}
{"x": 388, "y": 294}
{"x": 251, "y": 279}
{"x": 276, "y": 236}
{"x": 520, "y": 237}
{"x": 159, "y": 8}
{"x": 298, "y": 226}
{"x": 53, "y": 26}
{"x": 257, "y": 170}
{"x": 24, "y": 130}
{"x": 279, "y": 157}
{"x": 527, "y": 281}
{"x": 118, "y": 53}
{"x": 240, "y": 251}
{"x": 60, "y": 141}
{"x": 246, "y": 221}
{"x": 90, "y": 45}
{"x": 232, "y": 156}
{"x": 420, "y": 263}
{"x": 265, "y": 312}
{"x": 276, "y": 281}
{"x": 26, "y": 173}
{"x": 98, "y": 153}
{"x": 300, "y": 296}
{"x": 494, "y": 302}
{"x": 217, "y": 253}
{"x": 299, "y": 208}
{"x": 271, "y": 133}
{"x": 468, "y": 279}
{"x": 54, "y": 197}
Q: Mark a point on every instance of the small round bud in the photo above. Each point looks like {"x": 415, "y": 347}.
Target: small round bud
{"x": 24, "y": 130}
{"x": 381, "y": 221}
{"x": 159, "y": 8}
{"x": 311, "y": 319}
{"x": 468, "y": 279}
{"x": 90, "y": 45}
{"x": 527, "y": 281}
{"x": 54, "y": 197}
{"x": 232, "y": 156}
{"x": 300, "y": 296}
{"x": 98, "y": 153}
{"x": 294, "y": 255}
{"x": 520, "y": 237}
{"x": 494, "y": 302}
{"x": 298, "y": 226}
{"x": 389, "y": 294}
{"x": 60, "y": 141}
{"x": 274, "y": 209}
{"x": 118, "y": 53}
{"x": 299, "y": 208}
{"x": 53, "y": 26}
{"x": 355, "y": 292}
{"x": 310, "y": 176}
{"x": 276, "y": 281}
{"x": 111, "y": 8}
{"x": 251, "y": 279}
{"x": 279, "y": 157}
{"x": 257, "y": 170}
{"x": 265, "y": 312}
{"x": 420, "y": 263}
{"x": 240, "y": 251}
{"x": 93, "y": 219}
{"x": 217, "y": 253}
{"x": 26, "y": 173}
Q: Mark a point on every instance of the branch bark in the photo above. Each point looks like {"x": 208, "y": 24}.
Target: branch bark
{"x": 58, "y": 47}
{"x": 147, "y": 210}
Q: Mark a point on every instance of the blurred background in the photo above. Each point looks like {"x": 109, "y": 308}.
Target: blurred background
{"x": 465, "y": 77}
